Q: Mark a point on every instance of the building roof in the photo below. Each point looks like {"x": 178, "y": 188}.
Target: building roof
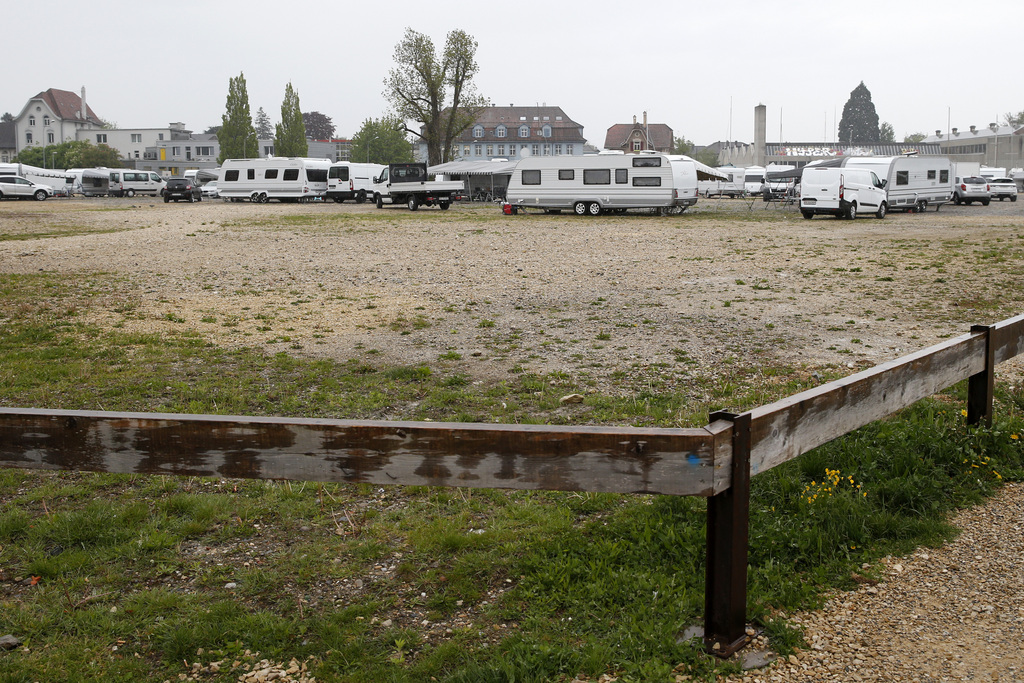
{"x": 66, "y": 105}
{"x": 563, "y": 129}
{"x": 619, "y": 135}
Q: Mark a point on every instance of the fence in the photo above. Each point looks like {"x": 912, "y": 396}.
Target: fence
{"x": 715, "y": 461}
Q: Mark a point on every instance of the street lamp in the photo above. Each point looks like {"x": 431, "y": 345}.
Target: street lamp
{"x": 372, "y": 138}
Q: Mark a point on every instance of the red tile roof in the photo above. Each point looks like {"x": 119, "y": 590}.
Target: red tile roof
{"x": 66, "y": 104}
{"x": 620, "y": 135}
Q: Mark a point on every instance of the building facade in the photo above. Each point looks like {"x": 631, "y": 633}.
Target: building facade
{"x": 52, "y": 117}
{"x": 640, "y": 136}
{"x": 993, "y": 145}
{"x": 514, "y": 132}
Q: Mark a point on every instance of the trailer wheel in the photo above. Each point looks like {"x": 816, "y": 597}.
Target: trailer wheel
{"x": 378, "y": 200}
{"x": 594, "y": 209}
{"x": 580, "y": 208}
{"x": 1013, "y": 198}
{"x": 413, "y": 203}
{"x": 922, "y": 206}
{"x": 361, "y": 197}
{"x": 264, "y": 198}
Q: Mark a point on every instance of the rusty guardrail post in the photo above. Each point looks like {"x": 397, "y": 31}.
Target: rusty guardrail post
{"x": 981, "y": 386}
{"x": 728, "y": 521}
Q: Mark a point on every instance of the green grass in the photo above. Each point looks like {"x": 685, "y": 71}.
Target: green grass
{"x": 129, "y": 578}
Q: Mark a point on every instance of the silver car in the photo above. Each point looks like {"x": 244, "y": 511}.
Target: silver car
{"x": 1003, "y": 188}
{"x": 210, "y": 189}
{"x": 16, "y": 187}
{"x": 970, "y": 189}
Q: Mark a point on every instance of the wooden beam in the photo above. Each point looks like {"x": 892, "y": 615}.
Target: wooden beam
{"x": 537, "y": 457}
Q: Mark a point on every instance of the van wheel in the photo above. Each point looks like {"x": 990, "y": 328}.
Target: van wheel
{"x": 413, "y": 203}
{"x": 807, "y": 214}
{"x": 882, "y": 208}
{"x": 379, "y": 201}
{"x": 580, "y": 208}
{"x": 594, "y": 209}
{"x": 129, "y": 194}
{"x": 361, "y": 198}
{"x": 851, "y": 211}
{"x": 339, "y": 200}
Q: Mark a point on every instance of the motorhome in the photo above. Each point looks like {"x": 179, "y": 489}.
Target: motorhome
{"x": 58, "y": 180}
{"x": 732, "y": 186}
{"x": 287, "y": 179}
{"x": 592, "y": 184}
{"x": 841, "y": 192}
{"x": 912, "y": 183}
{"x": 348, "y": 180}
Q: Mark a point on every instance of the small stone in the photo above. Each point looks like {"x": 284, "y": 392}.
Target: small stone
{"x": 230, "y": 585}
{"x": 571, "y": 398}
{"x": 9, "y": 642}
{"x": 386, "y": 623}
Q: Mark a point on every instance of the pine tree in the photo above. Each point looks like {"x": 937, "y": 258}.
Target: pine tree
{"x": 860, "y": 121}
{"x": 291, "y": 132}
{"x": 237, "y": 137}
{"x": 264, "y": 129}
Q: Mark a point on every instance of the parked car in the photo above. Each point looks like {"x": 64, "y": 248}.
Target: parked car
{"x": 210, "y": 189}
{"x": 970, "y": 189}
{"x": 1003, "y": 188}
{"x": 182, "y": 188}
{"x": 16, "y": 187}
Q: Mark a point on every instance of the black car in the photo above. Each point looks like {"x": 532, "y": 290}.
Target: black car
{"x": 183, "y": 188}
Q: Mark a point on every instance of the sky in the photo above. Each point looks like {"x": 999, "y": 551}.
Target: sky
{"x": 700, "y": 67}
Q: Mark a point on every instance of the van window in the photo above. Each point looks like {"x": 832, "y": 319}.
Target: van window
{"x": 291, "y": 174}
{"x": 270, "y": 174}
{"x": 646, "y": 162}
{"x": 597, "y": 176}
{"x": 566, "y": 174}
{"x": 646, "y": 182}
{"x": 154, "y": 177}
{"x": 115, "y": 177}
{"x": 902, "y": 177}
{"x": 339, "y": 172}
{"x": 943, "y": 176}
{"x": 231, "y": 176}
{"x": 531, "y": 177}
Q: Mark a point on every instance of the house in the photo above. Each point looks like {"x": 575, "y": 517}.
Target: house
{"x": 637, "y": 137}
{"x": 514, "y": 132}
{"x": 8, "y": 144}
{"x": 54, "y": 116}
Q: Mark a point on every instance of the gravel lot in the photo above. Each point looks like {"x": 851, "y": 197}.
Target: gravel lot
{"x": 617, "y": 303}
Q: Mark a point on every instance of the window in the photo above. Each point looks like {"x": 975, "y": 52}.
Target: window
{"x": 154, "y": 177}
{"x": 943, "y": 176}
{"x": 159, "y": 136}
{"x": 339, "y": 172}
{"x": 534, "y": 149}
{"x": 647, "y": 162}
{"x": 28, "y": 137}
{"x": 531, "y": 177}
{"x": 250, "y": 173}
{"x": 270, "y": 174}
{"x": 31, "y": 120}
{"x": 176, "y": 151}
{"x": 465, "y": 151}
{"x": 566, "y": 174}
{"x": 136, "y": 137}
{"x": 597, "y": 176}
{"x": 558, "y": 149}
{"x": 136, "y": 154}
{"x": 646, "y": 182}
{"x": 291, "y": 174}
{"x": 500, "y": 132}
{"x": 621, "y": 176}
{"x": 316, "y": 175}
{"x": 637, "y": 145}
{"x": 268, "y": 150}
{"x": 490, "y": 150}
{"x": 478, "y": 131}
{"x": 478, "y": 150}
{"x": 524, "y": 131}
{"x": 101, "y": 138}
{"x": 931, "y": 175}
{"x": 547, "y": 150}
{"x": 49, "y": 138}
{"x": 231, "y": 176}
{"x": 545, "y": 131}
{"x": 46, "y": 120}
{"x": 568, "y": 149}
{"x": 501, "y": 150}
{"x": 902, "y": 177}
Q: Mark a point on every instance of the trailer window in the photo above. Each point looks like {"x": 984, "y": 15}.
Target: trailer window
{"x": 291, "y": 174}
{"x": 621, "y": 176}
{"x": 531, "y": 177}
{"x": 646, "y": 182}
{"x": 270, "y": 174}
{"x": 931, "y": 175}
{"x": 339, "y": 172}
{"x": 597, "y": 176}
{"x": 566, "y": 174}
{"x": 943, "y": 176}
{"x": 231, "y": 176}
{"x": 250, "y": 173}
{"x": 902, "y": 177}
{"x": 316, "y": 175}
{"x": 646, "y": 162}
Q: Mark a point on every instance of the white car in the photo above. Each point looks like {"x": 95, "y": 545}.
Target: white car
{"x": 16, "y": 187}
{"x": 210, "y": 189}
{"x": 1003, "y": 188}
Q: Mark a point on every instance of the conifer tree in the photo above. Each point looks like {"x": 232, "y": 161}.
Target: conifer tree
{"x": 860, "y": 121}
{"x": 264, "y": 128}
{"x": 291, "y": 132}
{"x": 237, "y": 137}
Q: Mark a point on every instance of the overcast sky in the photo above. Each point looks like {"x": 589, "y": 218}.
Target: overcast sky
{"x": 700, "y": 67}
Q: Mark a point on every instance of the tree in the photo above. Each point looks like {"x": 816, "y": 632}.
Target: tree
{"x": 290, "y": 140}
{"x": 707, "y": 156}
{"x": 859, "y": 122}
{"x": 318, "y": 126}
{"x": 70, "y": 154}
{"x": 264, "y": 128}
{"x": 1014, "y": 119}
{"x": 436, "y": 91}
{"x": 381, "y": 141}
{"x": 7, "y": 117}
{"x": 886, "y": 133}
{"x": 237, "y": 137}
{"x": 914, "y": 138}
{"x": 213, "y": 130}
{"x": 681, "y": 145}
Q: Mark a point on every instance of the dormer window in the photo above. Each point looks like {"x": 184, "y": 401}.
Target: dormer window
{"x": 546, "y": 131}
{"x": 500, "y": 131}
{"x": 478, "y": 131}
{"x": 524, "y": 131}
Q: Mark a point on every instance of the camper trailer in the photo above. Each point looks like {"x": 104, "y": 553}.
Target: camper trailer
{"x": 753, "y": 179}
{"x": 912, "y": 183}
{"x": 593, "y": 184}
{"x": 286, "y": 179}
{"x": 732, "y": 186}
{"x": 684, "y": 181}
{"x": 348, "y": 180}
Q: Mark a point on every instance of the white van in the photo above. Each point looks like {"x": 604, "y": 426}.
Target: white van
{"x": 287, "y": 179}
{"x": 124, "y": 183}
{"x": 841, "y": 192}
{"x": 348, "y": 180}
{"x": 593, "y": 183}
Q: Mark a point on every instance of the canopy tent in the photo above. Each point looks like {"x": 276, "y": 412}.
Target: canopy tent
{"x": 479, "y": 168}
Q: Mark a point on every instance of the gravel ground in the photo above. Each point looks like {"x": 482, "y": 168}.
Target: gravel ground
{"x": 613, "y": 302}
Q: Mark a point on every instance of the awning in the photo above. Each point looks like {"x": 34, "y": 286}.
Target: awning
{"x": 704, "y": 172}
{"x": 103, "y": 173}
{"x": 474, "y": 168}
{"x": 207, "y": 174}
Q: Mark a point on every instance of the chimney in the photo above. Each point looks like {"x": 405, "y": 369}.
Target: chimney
{"x": 84, "y": 110}
{"x": 645, "y": 119}
{"x": 974, "y": 129}
{"x": 634, "y": 119}
{"x": 954, "y": 132}
{"x": 760, "y": 134}
{"x": 938, "y": 133}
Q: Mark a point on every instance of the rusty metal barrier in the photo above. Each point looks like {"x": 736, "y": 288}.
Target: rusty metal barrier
{"x": 715, "y": 461}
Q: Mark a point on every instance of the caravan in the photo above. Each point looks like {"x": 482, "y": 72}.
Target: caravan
{"x": 912, "y": 183}
{"x": 732, "y": 186}
{"x": 595, "y": 183}
{"x": 282, "y": 178}
{"x": 348, "y": 180}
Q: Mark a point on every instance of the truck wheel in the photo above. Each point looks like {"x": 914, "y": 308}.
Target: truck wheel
{"x": 580, "y": 208}
{"x": 379, "y": 201}
{"x": 851, "y": 211}
{"x": 882, "y": 208}
{"x": 413, "y": 203}
{"x": 808, "y": 214}
{"x": 361, "y": 197}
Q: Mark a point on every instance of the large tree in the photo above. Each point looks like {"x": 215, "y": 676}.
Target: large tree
{"x": 7, "y": 117}
{"x": 318, "y": 126}
{"x": 290, "y": 140}
{"x": 680, "y": 145}
{"x": 437, "y": 91}
{"x": 381, "y": 141}
{"x": 886, "y": 133}
{"x": 914, "y": 138}
{"x": 1014, "y": 119}
{"x": 237, "y": 137}
{"x": 264, "y": 128}
{"x": 860, "y": 121}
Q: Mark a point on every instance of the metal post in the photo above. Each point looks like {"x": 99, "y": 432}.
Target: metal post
{"x": 728, "y": 519}
{"x": 981, "y": 387}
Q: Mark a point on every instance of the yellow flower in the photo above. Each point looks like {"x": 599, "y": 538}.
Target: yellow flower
{"x": 964, "y": 413}
{"x": 1014, "y": 437}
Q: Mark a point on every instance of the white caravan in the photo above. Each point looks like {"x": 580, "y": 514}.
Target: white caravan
{"x": 684, "y": 180}
{"x": 732, "y": 186}
{"x": 753, "y": 179}
{"x": 348, "y": 180}
{"x": 912, "y": 183}
{"x": 57, "y": 180}
{"x": 841, "y": 192}
{"x": 287, "y": 179}
{"x": 594, "y": 183}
